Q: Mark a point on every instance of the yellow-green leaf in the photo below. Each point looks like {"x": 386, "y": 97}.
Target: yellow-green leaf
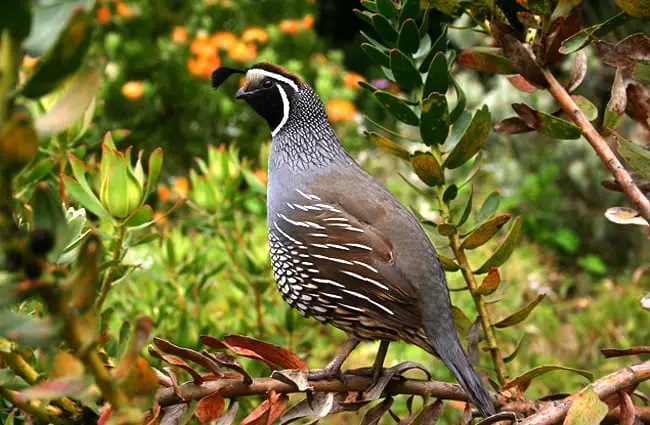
{"x": 587, "y": 409}
{"x": 636, "y": 8}
{"x": 490, "y": 283}
{"x": 472, "y": 141}
{"x": 525, "y": 378}
{"x": 387, "y": 145}
{"x": 448, "y": 264}
{"x": 427, "y": 168}
{"x": 520, "y": 315}
{"x": 485, "y": 231}
{"x": 505, "y": 250}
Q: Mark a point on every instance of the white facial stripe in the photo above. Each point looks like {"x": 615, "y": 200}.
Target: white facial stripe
{"x": 275, "y": 76}
{"x": 285, "y": 110}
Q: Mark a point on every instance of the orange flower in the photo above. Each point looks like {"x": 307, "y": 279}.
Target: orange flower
{"x": 181, "y": 186}
{"x": 201, "y": 45}
{"x": 223, "y": 39}
{"x": 319, "y": 58}
{"x": 260, "y": 175}
{"x": 203, "y": 66}
{"x": 164, "y": 194}
{"x": 255, "y": 34}
{"x": 133, "y": 90}
{"x": 179, "y": 35}
{"x": 289, "y": 26}
{"x": 351, "y": 79}
{"x": 340, "y": 110}
{"x": 124, "y": 10}
{"x": 307, "y": 21}
{"x": 104, "y": 14}
{"x": 242, "y": 52}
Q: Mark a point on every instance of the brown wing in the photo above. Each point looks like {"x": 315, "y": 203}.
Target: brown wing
{"x": 349, "y": 266}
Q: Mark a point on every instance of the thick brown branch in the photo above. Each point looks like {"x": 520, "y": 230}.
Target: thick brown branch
{"x": 600, "y": 146}
{"x": 604, "y": 387}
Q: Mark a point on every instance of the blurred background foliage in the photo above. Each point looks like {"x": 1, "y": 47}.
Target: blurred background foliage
{"x": 208, "y": 270}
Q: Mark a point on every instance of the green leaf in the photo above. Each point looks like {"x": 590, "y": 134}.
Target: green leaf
{"x": 427, "y": 168}
{"x": 81, "y": 190}
{"x": 447, "y": 229}
{"x": 440, "y": 45}
{"x": 10, "y": 381}
{"x": 490, "y": 283}
{"x": 584, "y": 37}
{"x": 434, "y": 125}
{"x": 485, "y": 231}
{"x": 16, "y": 17}
{"x": 370, "y": 5}
{"x": 368, "y": 87}
{"x": 468, "y": 208}
{"x": 636, "y": 8}
{"x": 26, "y": 330}
{"x": 463, "y": 324}
{"x": 448, "y": 264}
{"x": 520, "y": 315}
{"x": 525, "y": 378}
{"x": 588, "y": 109}
{"x": 70, "y": 107}
{"x": 546, "y": 124}
{"x": 155, "y": 166}
{"x": 593, "y": 264}
{"x": 63, "y": 58}
{"x": 437, "y": 77}
{"x": 504, "y": 251}
{"x": 472, "y": 141}
{"x": 641, "y": 71}
{"x": 489, "y": 207}
{"x": 364, "y": 15}
{"x": 510, "y": 357}
{"x": 397, "y": 107}
{"x": 32, "y": 174}
{"x": 48, "y": 212}
{"x": 635, "y": 156}
{"x": 487, "y": 59}
{"x": 564, "y": 8}
{"x": 409, "y": 37}
{"x": 387, "y": 145}
{"x": 370, "y": 40}
{"x": 450, "y": 193}
{"x": 405, "y": 72}
{"x": 410, "y": 10}
{"x": 143, "y": 215}
{"x": 384, "y": 28}
{"x": 586, "y": 409}
{"x": 386, "y": 8}
{"x": 458, "y": 129}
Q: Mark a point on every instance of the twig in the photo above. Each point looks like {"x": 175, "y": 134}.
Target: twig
{"x": 32, "y": 409}
{"x": 108, "y": 278}
{"x": 9, "y": 63}
{"x": 600, "y": 146}
{"x": 604, "y": 387}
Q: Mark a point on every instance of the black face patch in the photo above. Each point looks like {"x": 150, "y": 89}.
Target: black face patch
{"x": 269, "y": 104}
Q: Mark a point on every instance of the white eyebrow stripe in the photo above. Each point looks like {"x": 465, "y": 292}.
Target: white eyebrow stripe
{"x": 285, "y": 110}
{"x": 278, "y": 77}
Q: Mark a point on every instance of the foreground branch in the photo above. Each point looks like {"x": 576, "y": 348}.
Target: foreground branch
{"x": 601, "y": 147}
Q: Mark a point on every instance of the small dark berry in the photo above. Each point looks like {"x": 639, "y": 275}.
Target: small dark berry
{"x": 41, "y": 241}
{"x": 33, "y": 269}
{"x": 13, "y": 261}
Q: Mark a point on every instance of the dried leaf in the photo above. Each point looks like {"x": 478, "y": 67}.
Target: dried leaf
{"x": 490, "y": 282}
{"x": 504, "y": 251}
{"x": 587, "y": 409}
{"x": 617, "y": 102}
{"x": 485, "y": 231}
{"x": 520, "y": 315}
{"x": 298, "y": 378}
{"x": 608, "y": 53}
{"x": 520, "y": 56}
{"x": 525, "y": 378}
{"x": 625, "y": 215}
{"x": 229, "y": 416}
{"x": 271, "y": 352}
{"x": 619, "y": 352}
{"x": 578, "y": 71}
{"x": 427, "y": 168}
{"x": 510, "y": 357}
{"x": 377, "y": 389}
{"x": 172, "y": 415}
{"x": 546, "y": 124}
{"x": 230, "y": 362}
{"x": 513, "y": 125}
{"x": 564, "y": 28}
{"x": 486, "y": 59}
{"x": 175, "y": 361}
{"x": 213, "y": 342}
{"x": 321, "y": 405}
{"x": 210, "y": 407}
{"x": 374, "y": 414}
{"x": 55, "y": 388}
{"x": 187, "y": 354}
{"x": 521, "y": 84}
{"x": 638, "y": 104}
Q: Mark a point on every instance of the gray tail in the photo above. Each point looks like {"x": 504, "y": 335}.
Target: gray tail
{"x": 452, "y": 354}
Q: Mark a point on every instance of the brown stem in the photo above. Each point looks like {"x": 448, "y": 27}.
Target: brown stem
{"x": 470, "y": 280}
{"x": 108, "y": 278}
{"x": 31, "y": 408}
{"x": 600, "y": 146}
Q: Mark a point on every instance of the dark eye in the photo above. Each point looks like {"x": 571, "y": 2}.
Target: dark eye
{"x": 267, "y": 83}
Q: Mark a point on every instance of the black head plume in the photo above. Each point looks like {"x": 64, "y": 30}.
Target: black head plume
{"x": 220, "y": 75}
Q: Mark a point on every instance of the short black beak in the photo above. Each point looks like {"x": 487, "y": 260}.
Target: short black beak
{"x": 241, "y": 93}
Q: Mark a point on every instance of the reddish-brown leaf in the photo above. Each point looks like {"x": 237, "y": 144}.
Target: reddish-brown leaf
{"x": 564, "y": 28}
{"x": 485, "y": 231}
{"x": 271, "y": 352}
{"x": 512, "y": 125}
{"x": 269, "y": 411}
{"x": 519, "y": 55}
{"x": 486, "y": 60}
{"x": 105, "y": 415}
{"x": 578, "y": 71}
{"x": 490, "y": 282}
{"x": 175, "y": 361}
{"x": 628, "y": 413}
{"x": 374, "y": 414}
{"x": 210, "y": 407}
{"x": 638, "y": 105}
{"x": 213, "y": 342}
{"x": 187, "y": 354}
{"x": 617, "y": 102}
{"x": 607, "y": 53}
{"x": 521, "y": 84}
{"x": 230, "y": 362}
{"x": 635, "y": 46}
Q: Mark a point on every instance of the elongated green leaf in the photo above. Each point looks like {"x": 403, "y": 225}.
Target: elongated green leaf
{"x": 434, "y": 123}
{"x": 448, "y": 264}
{"x": 546, "y": 124}
{"x": 510, "y": 357}
{"x": 384, "y": 28}
{"x": 364, "y": 15}
{"x": 458, "y": 130}
{"x": 387, "y": 145}
{"x": 386, "y": 8}
{"x": 63, "y": 58}
{"x": 427, "y": 168}
{"x": 375, "y": 54}
{"x": 487, "y": 59}
{"x": 485, "y": 231}
{"x": 155, "y": 166}
{"x": 48, "y": 212}
{"x": 90, "y": 202}
{"x": 468, "y": 208}
{"x": 584, "y": 37}
{"x": 410, "y": 10}
{"x": 397, "y": 107}
{"x": 139, "y": 217}
{"x": 587, "y": 409}
{"x": 637, "y": 157}
{"x": 525, "y": 378}
{"x": 437, "y": 78}
{"x": 489, "y": 206}
{"x": 460, "y": 102}
{"x": 504, "y": 251}
{"x": 588, "y": 109}
{"x": 370, "y": 5}
{"x": 520, "y": 315}
{"x": 472, "y": 141}
{"x": 405, "y": 72}
{"x": 409, "y": 37}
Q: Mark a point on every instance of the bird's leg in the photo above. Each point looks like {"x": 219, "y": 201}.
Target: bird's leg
{"x": 333, "y": 368}
{"x": 378, "y": 366}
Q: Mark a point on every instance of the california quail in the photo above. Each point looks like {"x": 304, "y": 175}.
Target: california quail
{"x": 344, "y": 251}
